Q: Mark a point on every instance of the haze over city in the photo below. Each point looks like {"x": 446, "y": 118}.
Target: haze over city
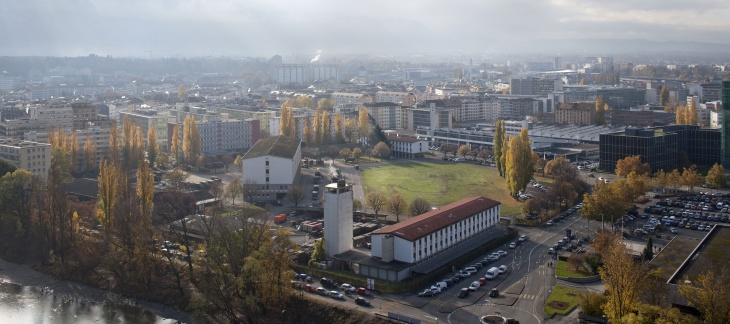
{"x": 156, "y": 29}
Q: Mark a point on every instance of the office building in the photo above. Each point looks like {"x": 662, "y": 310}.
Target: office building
{"x": 534, "y": 86}
{"x": 725, "y": 138}
{"x": 579, "y": 113}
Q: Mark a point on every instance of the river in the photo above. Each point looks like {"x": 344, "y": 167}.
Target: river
{"x": 28, "y": 296}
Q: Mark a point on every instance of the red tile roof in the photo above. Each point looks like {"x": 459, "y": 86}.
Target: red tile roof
{"x": 404, "y": 139}
{"x": 427, "y": 223}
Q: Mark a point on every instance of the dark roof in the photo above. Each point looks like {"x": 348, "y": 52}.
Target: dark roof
{"x": 406, "y": 139}
{"x": 381, "y": 104}
{"x": 88, "y": 188}
{"x": 576, "y": 105}
{"x": 279, "y": 146}
{"x": 427, "y": 223}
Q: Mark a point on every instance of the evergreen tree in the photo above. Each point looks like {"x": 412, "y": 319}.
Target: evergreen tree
{"x": 498, "y": 145}
{"x": 648, "y": 253}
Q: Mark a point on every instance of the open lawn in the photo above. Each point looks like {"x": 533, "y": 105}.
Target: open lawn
{"x": 440, "y": 183}
{"x": 562, "y": 300}
{"x": 564, "y": 269}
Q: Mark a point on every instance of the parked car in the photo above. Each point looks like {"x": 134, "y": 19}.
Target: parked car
{"x": 321, "y": 291}
{"x": 348, "y": 287}
{"x": 474, "y": 286}
{"x": 362, "y": 301}
{"x": 363, "y": 292}
{"x": 336, "y": 295}
{"x": 523, "y": 238}
{"x": 494, "y": 292}
{"x": 512, "y": 245}
{"x": 464, "y": 292}
{"x": 427, "y": 293}
{"x": 502, "y": 268}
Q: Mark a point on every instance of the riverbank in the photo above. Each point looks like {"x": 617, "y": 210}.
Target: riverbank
{"x": 25, "y": 275}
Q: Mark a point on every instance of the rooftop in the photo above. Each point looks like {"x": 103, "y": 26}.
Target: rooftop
{"x": 713, "y": 249}
{"x": 406, "y": 139}
{"x": 278, "y": 146}
{"x": 427, "y": 223}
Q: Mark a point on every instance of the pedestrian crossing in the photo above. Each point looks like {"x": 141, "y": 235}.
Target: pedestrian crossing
{"x": 440, "y": 302}
{"x": 528, "y": 296}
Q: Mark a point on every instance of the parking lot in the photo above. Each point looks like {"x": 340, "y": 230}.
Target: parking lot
{"x": 684, "y": 214}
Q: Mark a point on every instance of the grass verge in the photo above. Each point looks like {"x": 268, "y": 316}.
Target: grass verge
{"x": 562, "y": 300}
{"x": 564, "y": 269}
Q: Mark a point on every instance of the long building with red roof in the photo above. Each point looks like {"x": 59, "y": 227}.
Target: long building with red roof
{"x": 422, "y": 237}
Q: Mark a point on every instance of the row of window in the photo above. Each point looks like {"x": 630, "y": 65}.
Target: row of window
{"x": 437, "y": 242}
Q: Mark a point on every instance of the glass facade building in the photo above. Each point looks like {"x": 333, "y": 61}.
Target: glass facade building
{"x": 725, "y": 140}
{"x": 661, "y": 147}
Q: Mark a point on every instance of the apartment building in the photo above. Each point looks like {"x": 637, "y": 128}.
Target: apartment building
{"x": 32, "y": 156}
{"x": 386, "y": 114}
{"x": 145, "y": 119}
{"x": 577, "y": 113}
{"x": 400, "y": 98}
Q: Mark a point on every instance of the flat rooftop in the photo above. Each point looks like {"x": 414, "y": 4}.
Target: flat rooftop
{"x": 714, "y": 248}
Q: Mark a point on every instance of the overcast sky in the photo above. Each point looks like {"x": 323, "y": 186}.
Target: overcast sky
{"x": 157, "y": 28}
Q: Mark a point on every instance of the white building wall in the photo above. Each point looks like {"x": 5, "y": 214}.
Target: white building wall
{"x": 337, "y": 219}
{"x": 403, "y": 250}
{"x": 376, "y": 245}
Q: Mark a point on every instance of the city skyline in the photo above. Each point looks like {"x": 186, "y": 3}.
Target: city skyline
{"x": 259, "y": 28}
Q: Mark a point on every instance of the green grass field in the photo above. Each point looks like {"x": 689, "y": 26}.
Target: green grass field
{"x": 562, "y": 300}
{"x": 440, "y": 183}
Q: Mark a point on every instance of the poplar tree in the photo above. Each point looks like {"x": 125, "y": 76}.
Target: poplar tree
{"x": 318, "y": 127}
{"x": 114, "y": 145}
{"x": 498, "y": 145}
{"x": 89, "y": 153}
{"x": 339, "y": 128}
{"x": 308, "y": 132}
{"x": 663, "y": 95}
{"x": 519, "y": 163}
{"x": 350, "y": 128}
{"x": 363, "y": 122}
{"x": 326, "y": 129}
{"x": 152, "y": 147}
{"x": 174, "y": 146}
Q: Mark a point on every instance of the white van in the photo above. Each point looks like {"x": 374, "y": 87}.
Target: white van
{"x": 441, "y": 285}
{"x": 475, "y": 285}
{"x": 492, "y": 273}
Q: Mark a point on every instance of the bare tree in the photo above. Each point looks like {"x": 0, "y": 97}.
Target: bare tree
{"x": 250, "y": 188}
{"x": 397, "y": 205}
{"x": 296, "y": 195}
{"x": 234, "y": 189}
{"x": 376, "y": 200}
{"x": 419, "y": 206}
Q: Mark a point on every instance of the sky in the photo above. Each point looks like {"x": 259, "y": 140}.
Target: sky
{"x": 164, "y": 28}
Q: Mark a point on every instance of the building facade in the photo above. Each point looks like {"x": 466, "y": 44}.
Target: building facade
{"x": 338, "y": 198}
{"x": 578, "y": 113}
{"x": 407, "y": 147}
{"x": 386, "y": 114}
{"x": 271, "y": 167}
{"x": 439, "y": 231}
{"x": 725, "y": 138}
{"x": 661, "y": 147}
{"x": 32, "y": 156}
{"x": 145, "y": 119}
{"x": 400, "y": 98}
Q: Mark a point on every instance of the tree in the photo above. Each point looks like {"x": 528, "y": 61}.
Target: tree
{"x": 339, "y": 128}
{"x": 363, "y": 122}
{"x": 716, "y": 177}
{"x": 357, "y": 153}
{"x": 576, "y": 260}
{"x": 623, "y": 278}
{"x": 325, "y": 104}
{"x": 660, "y": 180}
{"x": 326, "y": 128}
{"x": 463, "y": 150}
{"x": 376, "y": 200}
{"x": 152, "y": 147}
{"x": 318, "y": 128}
{"x": 191, "y": 140}
{"x": 397, "y": 205}
{"x": 663, "y": 95}
{"x": 607, "y": 202}
{"x": 350, "y": 129}
{"x": 419, "y": 206}
{"x": 600, "y": 118}
{"x": 709, "y": 293}
{"x": 238, "y": 161}
{"x": 319, "y": 254}
{"x": 145, "y": 193}
{"x": 691, "y": 178}
{"x": 381, "y": 150}
{"x": 691, "y": 117}
{"x": 296, "y": 195}
{"x": 89, "y": 153}
{"x": 74, "y": 151}
{"x": 632, "y": 164}
{"x": 234, "y": 189}
{"x": 308, "y": 132}
{"x": 108, "y": 187}
{"x": 680, "y": 116}
{"x": 345, "y": 153}
{"x": 499, "y": 150}
{"x": 648, "y": 253}
{"x": 531, "y": 209}
{"x": 356, "y": 204}
{"x": 519, "y": 163}
{"x": 560, "y": 168}
{"x": 175, "y": 143}
{"x": 113, "y": 144}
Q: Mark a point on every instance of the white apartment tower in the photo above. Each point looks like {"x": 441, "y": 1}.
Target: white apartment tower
{"x": 337, "y": 218}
